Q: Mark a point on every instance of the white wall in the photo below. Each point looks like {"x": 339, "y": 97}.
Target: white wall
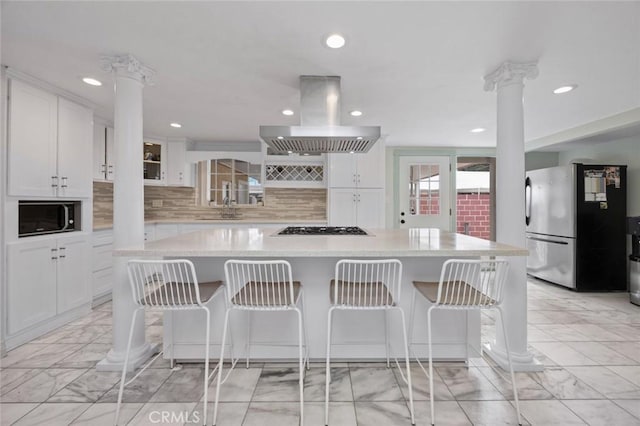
{"x": 623, "y": 151}
{"x": 540, "y": 160}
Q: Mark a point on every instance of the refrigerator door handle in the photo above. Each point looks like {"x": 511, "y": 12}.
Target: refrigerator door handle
{"x": 547, "y": 241}
{"x": 527, "y": 201}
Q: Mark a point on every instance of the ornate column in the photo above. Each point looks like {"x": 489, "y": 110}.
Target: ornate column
{"x": 510, "y": 224}
{"x": 128, "y": 204}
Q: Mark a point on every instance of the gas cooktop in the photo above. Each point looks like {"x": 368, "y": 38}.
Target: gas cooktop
{"x": 322, "y": 230}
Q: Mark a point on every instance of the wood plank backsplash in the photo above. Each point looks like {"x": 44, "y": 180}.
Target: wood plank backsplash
{"x": 180, "y": 203}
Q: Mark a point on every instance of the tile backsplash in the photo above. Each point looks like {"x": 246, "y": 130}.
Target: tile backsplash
{"x": 170, "y": 202}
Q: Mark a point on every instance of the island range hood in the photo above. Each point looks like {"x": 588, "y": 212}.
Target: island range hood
{"x": 319, "y": 130}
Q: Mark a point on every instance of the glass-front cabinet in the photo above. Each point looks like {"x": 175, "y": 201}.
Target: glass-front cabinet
{"x": 154, "y": 162}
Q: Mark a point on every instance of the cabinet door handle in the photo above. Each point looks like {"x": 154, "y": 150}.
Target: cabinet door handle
{"x": 64, "y": 182}
{"x": 354, "y": 178}
{"x": 54, "y": 181}
{"x": 54, "y": 257}
{"x": 358, "y": 177}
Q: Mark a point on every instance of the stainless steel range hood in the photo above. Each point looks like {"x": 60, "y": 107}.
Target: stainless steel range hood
{"x": 320, "y": 130}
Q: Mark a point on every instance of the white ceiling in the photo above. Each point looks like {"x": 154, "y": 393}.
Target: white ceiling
{"x": 414, "y": 68}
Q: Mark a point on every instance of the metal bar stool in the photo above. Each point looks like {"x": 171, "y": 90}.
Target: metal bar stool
{"x": 365, "y": 285}
{"x": 264, "y": 286}
{"x": 465, "y": 285}
{"x": 168, "y": 285}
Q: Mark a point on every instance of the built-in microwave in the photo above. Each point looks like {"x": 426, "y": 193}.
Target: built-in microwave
{"x": 47, "y": 217}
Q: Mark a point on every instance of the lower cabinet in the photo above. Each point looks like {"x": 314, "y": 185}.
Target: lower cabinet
{"x": 356, "y": 207}
{"x": 102, "y": 272}
{"x": 46, "y": 277}
{"x": 74, "y": 272}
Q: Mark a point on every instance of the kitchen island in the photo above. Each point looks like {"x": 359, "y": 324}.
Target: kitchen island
{"x": 456, "y": 335}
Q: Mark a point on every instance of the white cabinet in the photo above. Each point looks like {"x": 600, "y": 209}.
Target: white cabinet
{"x": 50, "y": 144}
{"x": 179, "y": 172}
{"x": 356, "y": 189}
{"x": 46, "y": 277}
{"x": 154, "y": 162}
{"x": 357, "y": 170}
{"x": 31, "y": 290}
{"x": 32, "y": 140}
{"x": 103, "y": 167}
{"x": 102, "y": 270}
{"x": 149, "y": 232}
{"x": 75, "y": 136}
{"x": 74, "y": 272}
{"x": 362, "y": 207}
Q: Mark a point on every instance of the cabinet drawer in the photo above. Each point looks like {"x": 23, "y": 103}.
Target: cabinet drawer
{"x": 102, "y": 257}
{"x": 102, "y": 282}
{"x": 101, "y": 238}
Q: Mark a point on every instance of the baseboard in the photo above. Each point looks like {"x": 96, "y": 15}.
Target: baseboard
{"x": 40, "y": 329}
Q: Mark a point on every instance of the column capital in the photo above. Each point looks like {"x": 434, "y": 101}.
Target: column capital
{"x": 129, "y": 66}
{"x": 510, "y": 73}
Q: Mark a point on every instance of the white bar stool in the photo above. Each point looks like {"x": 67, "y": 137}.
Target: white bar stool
{"x": 465, "y": 285}
{"x": 365, "y": 285}
{"x": 264, "y": 286}
{"x": 168, "y": 285}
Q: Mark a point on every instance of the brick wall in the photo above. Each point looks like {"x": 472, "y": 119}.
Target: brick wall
{"x": 474, "y": 210}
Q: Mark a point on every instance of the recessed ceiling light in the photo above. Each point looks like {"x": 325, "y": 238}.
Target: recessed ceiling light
{"x": 478, "y": 130}
{"x": 92, "y": 81}
{"x": 335, "y": 41}
{"x": 565, "y": 89}
{"x": 359, "y": 138}
{"x": 176, "y": 125}
{"x": 356, "y": 113}
{"x": 289, "y": 152}
{"x": 306, "y": 153}
{"x": 352, "y": 152}
{"x": 287, "y": 112}
{"x": 280, "y": 137}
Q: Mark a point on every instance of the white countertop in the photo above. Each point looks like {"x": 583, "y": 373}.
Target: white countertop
{"x": 262, "y": 242}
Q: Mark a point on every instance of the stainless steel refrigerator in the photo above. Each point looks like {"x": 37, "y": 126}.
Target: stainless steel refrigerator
{"x": 576, "y": 226}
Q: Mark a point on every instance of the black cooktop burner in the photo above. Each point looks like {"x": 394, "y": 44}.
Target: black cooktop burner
{"x": 322, "y": 230}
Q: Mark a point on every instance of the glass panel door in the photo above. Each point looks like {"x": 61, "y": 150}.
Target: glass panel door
{"x": 424, "y": 192}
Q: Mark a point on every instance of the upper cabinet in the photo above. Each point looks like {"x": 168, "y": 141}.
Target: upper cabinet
{"x": 357, "y": 170}
{"x": 75, "y": 130}
{"x": 49, "y": 144}
{"x": 103, "y": 165}
{"x": 154, "y": 162}
{"x": 179, "y": 172}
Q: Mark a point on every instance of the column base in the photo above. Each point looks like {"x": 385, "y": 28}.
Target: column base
{"x": 114, "y": 361}
{"x": 521, "y": 361}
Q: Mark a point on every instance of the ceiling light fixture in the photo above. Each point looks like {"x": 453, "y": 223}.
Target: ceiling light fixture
{"x": 356, "y": 113}
{"x": 176, "y": 125}
{"x": 565, "y": 89}
{"x": 359, "y": 138}
{"x": 280, "y": 137}
{"x": 287, "y": 112}
{"x": 289, "y": 152}
{"x": 92, "y": 81}
{"x": 335, "y": 41}
{"x": 478, "y": 130}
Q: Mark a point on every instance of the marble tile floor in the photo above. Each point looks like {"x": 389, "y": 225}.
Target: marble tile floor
{"x": 589, "y": 344}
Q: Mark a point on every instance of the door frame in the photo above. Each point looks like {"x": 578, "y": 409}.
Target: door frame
{"x": 393, "y": 155}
